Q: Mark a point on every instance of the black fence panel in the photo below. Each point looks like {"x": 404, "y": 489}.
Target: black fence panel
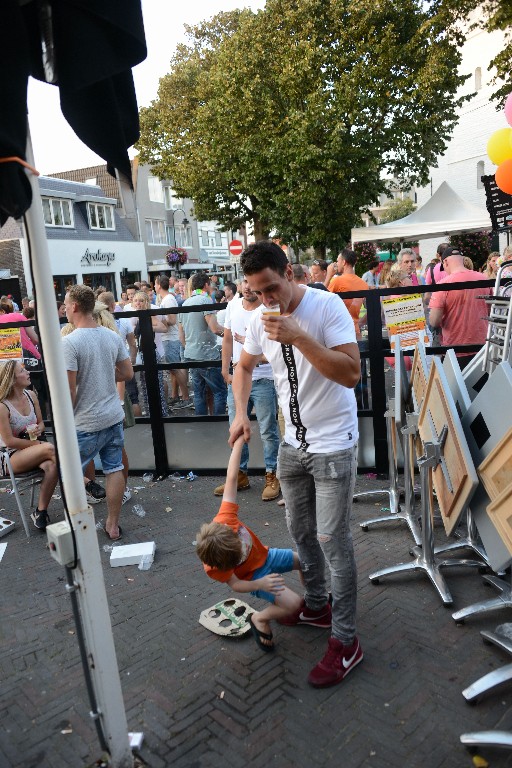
{"x": 370, "y": 391}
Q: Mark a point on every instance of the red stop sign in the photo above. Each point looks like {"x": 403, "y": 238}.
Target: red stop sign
{"x": 236, "y": 247}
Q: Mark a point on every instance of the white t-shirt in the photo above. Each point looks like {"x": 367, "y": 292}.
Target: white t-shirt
{"x": 172, "y": 334}
{"x": 320, "y": 415}
{"x": 157, "y": 334}
{"x": 237, "y": 320}
{"x": 124, "y": 326}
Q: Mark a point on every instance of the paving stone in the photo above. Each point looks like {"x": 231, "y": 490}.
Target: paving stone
{"x": 401, "y": 708}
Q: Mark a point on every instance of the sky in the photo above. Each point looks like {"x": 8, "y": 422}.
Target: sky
{"x": 56, "y": 147}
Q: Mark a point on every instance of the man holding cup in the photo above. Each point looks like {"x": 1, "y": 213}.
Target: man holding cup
{"x": 312, "y": 349}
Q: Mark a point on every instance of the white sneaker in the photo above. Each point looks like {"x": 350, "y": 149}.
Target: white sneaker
{"x": 127, "y": 495}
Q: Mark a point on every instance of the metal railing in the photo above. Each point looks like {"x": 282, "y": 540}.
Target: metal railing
{"x": 372, "y": 403}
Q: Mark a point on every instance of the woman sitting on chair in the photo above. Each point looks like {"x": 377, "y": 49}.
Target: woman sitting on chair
{"x": 21, "y": 425}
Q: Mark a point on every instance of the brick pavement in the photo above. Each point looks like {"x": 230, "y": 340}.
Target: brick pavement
{"x": 204, "y": 701}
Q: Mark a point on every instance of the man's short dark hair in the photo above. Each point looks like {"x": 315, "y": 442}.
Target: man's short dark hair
{"x": 163, "y": 282}
{"x": 441, "y": 248}
{"x": 349, "y": 256}
{"x": 298, "y": 271}
{"x": 232, "y": 287}
{"x": 374, "y": 264}
{"x": 131, "y": 288}
{"x": 199, "y": 280}
{"x": 261, "y": 255}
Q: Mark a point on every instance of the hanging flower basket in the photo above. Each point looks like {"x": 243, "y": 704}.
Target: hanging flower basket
{"x": 176, "y": 256}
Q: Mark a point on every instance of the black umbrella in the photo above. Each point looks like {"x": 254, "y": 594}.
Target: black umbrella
{"x": 85, "y": 47}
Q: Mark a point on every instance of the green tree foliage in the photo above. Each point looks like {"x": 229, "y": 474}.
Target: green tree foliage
{"x": 397, "y": 210}
{"x": 291, "y": 117}
{"x": 394, "y": 211}
{"x": 476, "y": 245}
{"x": 490, "y": 15}
{"x": 366, "y": 253}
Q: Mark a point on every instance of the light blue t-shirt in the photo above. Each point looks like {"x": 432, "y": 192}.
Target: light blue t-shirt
{"x": 200, "y": 342}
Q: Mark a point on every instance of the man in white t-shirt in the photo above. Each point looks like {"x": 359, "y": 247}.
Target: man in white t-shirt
{"x": 312, "y": 349}
{"x": 171, "y": 340}
{"x": 262, "y": 397}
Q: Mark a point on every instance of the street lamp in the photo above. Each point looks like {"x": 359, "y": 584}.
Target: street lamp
{"x": 184, "y": 223}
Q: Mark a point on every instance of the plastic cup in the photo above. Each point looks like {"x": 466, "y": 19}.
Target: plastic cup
{"x": 273, "y": 310}
{"x": 32, "y": 431}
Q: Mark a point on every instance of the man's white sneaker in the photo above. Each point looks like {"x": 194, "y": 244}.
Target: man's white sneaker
{"x": 127, "y": 495}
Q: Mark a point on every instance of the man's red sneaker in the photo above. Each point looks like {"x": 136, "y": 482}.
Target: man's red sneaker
{"x": 305, "y": 615}
{"x": 338, "y": 661}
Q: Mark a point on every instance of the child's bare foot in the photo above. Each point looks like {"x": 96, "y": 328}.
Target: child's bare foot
{"x": 261, "y": 632}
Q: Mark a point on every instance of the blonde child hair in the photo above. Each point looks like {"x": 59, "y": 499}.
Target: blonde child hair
{"x": 218, "y": 546}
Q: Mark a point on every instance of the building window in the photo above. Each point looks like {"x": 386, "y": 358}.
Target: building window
{"x": 478, "y": 78}
{"x": 218, "y": 239}
{"x": 57, "y": 213}
{"x": 480, "y": 170}
{"x": 62, "y": 284}
{"x": 100, "y": 280}
{"x": 204, "y": 238}
{"x": 156, "y": 192}
{"x": 155, "y": 232}
{"x": 179, "y": 236}
{"x": 184, "y": 237}
{"x": 172, "y": 201}
{"x": 100, "y": 216}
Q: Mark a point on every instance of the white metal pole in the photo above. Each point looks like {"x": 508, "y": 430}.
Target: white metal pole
{"x": 88, "y": 575}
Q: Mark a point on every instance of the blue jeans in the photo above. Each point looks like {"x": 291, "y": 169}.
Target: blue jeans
{"x": 108, "y": 443}
{"x": 263, "y": 398}
{"x": 172, "y": 351}
{"x": 318, "y": 488}
{"x": 211, "y": 378}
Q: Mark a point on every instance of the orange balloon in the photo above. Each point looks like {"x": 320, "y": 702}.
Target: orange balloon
{"x": 499, "y": 146}
{"x": 503, "y": 177}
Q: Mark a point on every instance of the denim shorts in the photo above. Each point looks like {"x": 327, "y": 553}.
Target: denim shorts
{"x": 278, "y": 561}
{"x": 107, "y": 443}
{"x": 172, "y": 350}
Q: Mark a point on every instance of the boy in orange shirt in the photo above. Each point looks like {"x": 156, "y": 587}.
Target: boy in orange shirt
{"x": 233, "y": 554}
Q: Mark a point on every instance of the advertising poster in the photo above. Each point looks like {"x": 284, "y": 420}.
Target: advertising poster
{"x": 405, "y": 317}
{"x": 10, "y": 344}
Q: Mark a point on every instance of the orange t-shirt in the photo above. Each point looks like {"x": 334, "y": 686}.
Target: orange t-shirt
{"x": 255, "y": 553}
{"x": 350, "y": 283}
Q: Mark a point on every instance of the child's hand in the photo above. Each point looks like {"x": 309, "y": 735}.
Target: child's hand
{"x": 273, "y": 583}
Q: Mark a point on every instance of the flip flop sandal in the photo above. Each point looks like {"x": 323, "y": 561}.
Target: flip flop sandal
{"x": 107, "y": 534}
{"x": 259, "y": 635}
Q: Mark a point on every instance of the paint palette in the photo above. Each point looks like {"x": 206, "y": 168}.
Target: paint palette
{"x": 228, "y": 618}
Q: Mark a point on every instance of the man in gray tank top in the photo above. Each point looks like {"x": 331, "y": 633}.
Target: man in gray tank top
{"x": 96, "y": 358}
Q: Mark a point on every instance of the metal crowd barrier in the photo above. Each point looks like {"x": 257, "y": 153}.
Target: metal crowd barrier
{"x": 371, "y": 390}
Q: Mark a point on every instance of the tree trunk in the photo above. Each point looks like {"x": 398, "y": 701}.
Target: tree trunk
{"x": 261, "y": 232}
{"x": 320, "y": 251}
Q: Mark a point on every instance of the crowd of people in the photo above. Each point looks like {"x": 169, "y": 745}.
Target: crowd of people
{"x": 283, "y": 339}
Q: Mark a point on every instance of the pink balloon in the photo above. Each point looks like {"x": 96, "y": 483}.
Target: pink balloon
{"x": 508, "y": 109}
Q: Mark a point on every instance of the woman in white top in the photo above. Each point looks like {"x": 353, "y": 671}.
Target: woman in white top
{"x": 141, "y": 301}
{"x": 19, "y": 409}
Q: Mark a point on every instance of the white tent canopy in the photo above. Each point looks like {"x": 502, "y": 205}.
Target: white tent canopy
{"x": 444, "y": 214}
